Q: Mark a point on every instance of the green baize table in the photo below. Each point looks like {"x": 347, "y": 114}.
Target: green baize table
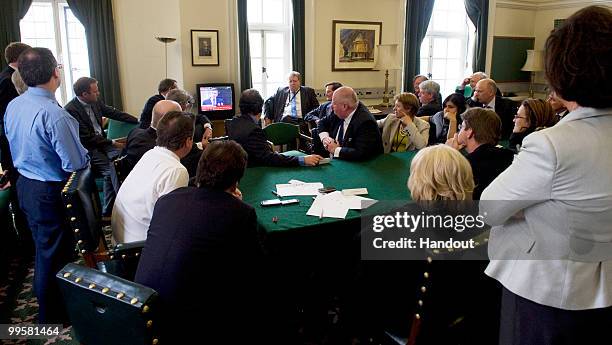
{"x": 385, "y": 177}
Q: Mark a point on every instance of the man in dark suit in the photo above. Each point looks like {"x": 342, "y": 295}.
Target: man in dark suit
{"x": 429, "y": 97}
{"x": 324, "y": 109}
{"x": 291, "y": 104}
{"x": 485, "y": 93}
{"x": 213, "y": 99}
{"x": 162, "y": 90}
{"x": 479, "y": 135}
{"x": 245, "y": 130}
{"x": 199, "y": 262}
{"x": 139, "y": 141}
{"x": 88, "y": 110}
{"x": 351, "y": 133}
{"x": 7, "y": 94}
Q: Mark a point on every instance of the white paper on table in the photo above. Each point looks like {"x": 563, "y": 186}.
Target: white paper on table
{"x": 328, "y": 205}
{"x": 298, "y": 188}
{"x": 355, "y": 191}
{"x": 355, "y": 202}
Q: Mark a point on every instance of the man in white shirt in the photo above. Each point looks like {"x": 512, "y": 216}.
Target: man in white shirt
{"x": 157, "y": 173}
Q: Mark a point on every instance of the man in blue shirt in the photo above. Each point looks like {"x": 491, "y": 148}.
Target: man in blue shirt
{"x": 44, "y": 141}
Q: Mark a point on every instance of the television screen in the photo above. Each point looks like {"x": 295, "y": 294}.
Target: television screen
{"x": 216, "y": 100}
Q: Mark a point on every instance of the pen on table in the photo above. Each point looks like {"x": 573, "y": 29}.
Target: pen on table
{"x": 274, "y": 192}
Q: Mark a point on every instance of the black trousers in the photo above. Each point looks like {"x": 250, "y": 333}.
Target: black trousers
{"x": 524, "y": 322}
{"x": 42, "y": 204}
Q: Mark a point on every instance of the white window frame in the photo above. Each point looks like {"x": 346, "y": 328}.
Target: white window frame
{"x": 62, "y": 49}
{"x": 467, "y": 42}
{"x": 263, "y": 28}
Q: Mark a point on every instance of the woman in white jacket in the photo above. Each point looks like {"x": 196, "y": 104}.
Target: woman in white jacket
{"x": 401, "y": 130}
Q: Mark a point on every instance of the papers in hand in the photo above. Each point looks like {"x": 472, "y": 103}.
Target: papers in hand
{"x": 336, "y": 205}
{"x": 294, "y": 188}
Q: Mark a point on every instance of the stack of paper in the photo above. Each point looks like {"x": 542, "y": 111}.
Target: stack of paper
{"x": 295, "y": 187}
{"x": 337, "y": 205}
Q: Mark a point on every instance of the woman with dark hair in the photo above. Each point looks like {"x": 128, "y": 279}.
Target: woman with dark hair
{"x": 203, "y": 254}
{"x": 533, "y": 115}
{"x": 551, "y": 242}
{"x": 445, "y": 123}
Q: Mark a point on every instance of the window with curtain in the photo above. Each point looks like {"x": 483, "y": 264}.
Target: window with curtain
{"x": 446, "y": 51}
{"x": 270, "y": 43}
{"x": 52, "y": 25}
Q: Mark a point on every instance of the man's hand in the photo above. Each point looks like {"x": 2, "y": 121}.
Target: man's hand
{"x": 206, "y": 137}
{"x": 312, "y": 160}
{"x": 7, "y": 184}
{"x": 119, "y": 143}
{"x": 454, "y": 143}
{"x": 465, "y": 81}
{"x": 327, "y": 140}
{"x": 331, "y": 147}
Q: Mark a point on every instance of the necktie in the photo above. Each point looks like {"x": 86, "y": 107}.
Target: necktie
{"x": 341, "y": 133}
{"x": 293, "y": 106}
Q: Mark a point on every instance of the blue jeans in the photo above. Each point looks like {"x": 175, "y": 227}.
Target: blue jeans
{"x": 102, "y": 164}
{"x": 42, "y": 204}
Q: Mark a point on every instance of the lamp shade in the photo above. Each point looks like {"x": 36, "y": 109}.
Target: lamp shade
{"x": 387, "y": 57}
{"x": 534, "y": 62}
{"x": 165, "y": 39}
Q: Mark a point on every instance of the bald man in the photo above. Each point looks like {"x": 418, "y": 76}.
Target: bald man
{"x": 351, "y": 133}
{"x": 139, "y": 141}
{"x": 485, "y": 93}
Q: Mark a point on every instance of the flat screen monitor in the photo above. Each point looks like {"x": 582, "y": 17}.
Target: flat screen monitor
{"x": 216, "y": 100}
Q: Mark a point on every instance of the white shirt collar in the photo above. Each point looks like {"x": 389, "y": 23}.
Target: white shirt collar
{"x": 491, "y": 104}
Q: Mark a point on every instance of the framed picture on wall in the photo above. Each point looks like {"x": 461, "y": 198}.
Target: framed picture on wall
{"x": 205, "y": 47}
{"x": 354, "y": 45}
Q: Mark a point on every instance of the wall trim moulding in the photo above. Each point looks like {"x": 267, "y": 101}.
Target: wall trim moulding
{"x": 548, "y": 5}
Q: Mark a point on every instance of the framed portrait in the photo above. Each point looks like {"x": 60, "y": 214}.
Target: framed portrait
{"x": 354, "y": 45}
{"x": 205, "y": 47}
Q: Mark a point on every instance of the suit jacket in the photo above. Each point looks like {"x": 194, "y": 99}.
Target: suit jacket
{"x": 488, "y": 161}
{"x": 506, "y": 109}
{"x": 416, "y": 138}
{"x": 147, "y": 111}
{"x": 7, "y": 94}
{"x": 362, "y": 139}
{"x": 208, "y": 101}
{"x": 139, "y": 141}
{"x": 251, "y": 137}
{"x": 319, "y": 112}
{"x": 429, "y": 109}
{"x": 89, "y": 138}
{"x": 198, "y": 261}
{"x": 558, "y": 250}
{"x": 308, "y": 100}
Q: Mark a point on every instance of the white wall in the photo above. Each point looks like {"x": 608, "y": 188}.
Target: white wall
{"x": 140, "y": 55}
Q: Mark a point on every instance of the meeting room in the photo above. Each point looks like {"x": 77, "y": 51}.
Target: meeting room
{"x": 309, "y": 172}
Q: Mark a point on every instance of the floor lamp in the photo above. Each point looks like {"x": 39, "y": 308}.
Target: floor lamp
{"x": 387, "y": 60}
{"x": 533, "y": 64}
{"x": 166, "y": 40}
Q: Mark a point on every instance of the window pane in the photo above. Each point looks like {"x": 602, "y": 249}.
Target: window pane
{"x": 453, "y": 69}
{"x": 425, "y": 48}
{"x": 255, "y": 43}
{"x": 275, "y": 42}
{"x": 77, "y": 47}
{"x": 438, "y": 69}
{"x": 454, "y": 48}
{"x": 254, "y": 11}
{"x": 456, "y": 21}
{"x": 273, "y": 11}
{"x": 256, "y": 70}
{"x": 276, "y": 70}
{"x": 440, "y": 23}
{"x": 424, "y": 66}
{"x": 439, "y": 47}
{"x": 272, "y": 87}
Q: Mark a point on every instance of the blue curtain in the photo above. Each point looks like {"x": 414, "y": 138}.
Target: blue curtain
{"x": 478, "y": 11}
{"x": 244, "y": 49}
{"x": 12, "y": 12}
{"x": 418, "y": 14}
{"x": 97, "y": 18}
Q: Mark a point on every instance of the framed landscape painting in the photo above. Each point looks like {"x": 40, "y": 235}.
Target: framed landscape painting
{"x": 354, "y": 45}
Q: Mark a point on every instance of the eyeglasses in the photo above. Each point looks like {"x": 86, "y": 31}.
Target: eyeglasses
{"x": 520, "y": 117}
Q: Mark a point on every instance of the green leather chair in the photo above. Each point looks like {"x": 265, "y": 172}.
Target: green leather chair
{"x": 84, "y": 213}
{"x": 108, "y": 310}
{"x": 118, "y": 129}
{"x": 282, "y": 134}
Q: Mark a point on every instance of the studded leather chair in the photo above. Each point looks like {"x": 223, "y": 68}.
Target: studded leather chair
{"x": 80, "y": 196}
{"x": 109, "y": 310}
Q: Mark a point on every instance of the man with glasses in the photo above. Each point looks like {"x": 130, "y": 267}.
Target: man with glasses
{"x": 44, "y": 141}
{"x": 479, "y": 134}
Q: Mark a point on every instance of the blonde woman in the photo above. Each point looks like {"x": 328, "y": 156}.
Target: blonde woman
{"x": 401, "y": 130}
{"x": 440, "y": 173}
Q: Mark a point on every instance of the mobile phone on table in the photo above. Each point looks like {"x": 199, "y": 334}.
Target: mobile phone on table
{"x": 327, "y": 190}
